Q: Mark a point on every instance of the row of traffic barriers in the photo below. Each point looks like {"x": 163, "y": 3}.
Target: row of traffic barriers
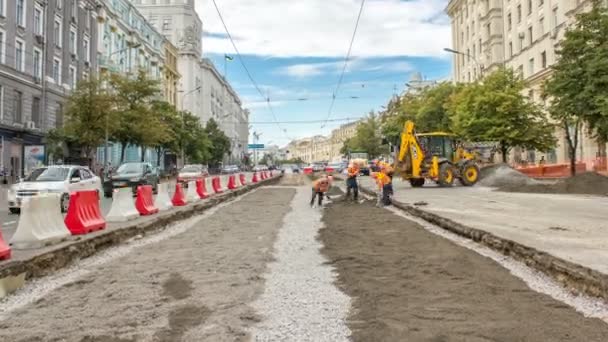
{"x": 42, "y": 224}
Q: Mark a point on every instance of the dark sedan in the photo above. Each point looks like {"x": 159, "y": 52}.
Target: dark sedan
{"x": 131, "y": 175}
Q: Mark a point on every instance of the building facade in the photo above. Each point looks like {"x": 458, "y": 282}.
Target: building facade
{"x": 170, "y": 73}
{"x": 523, "y": 35}
{"x": 46, "y": 47}
{"x": 322, "y": 148}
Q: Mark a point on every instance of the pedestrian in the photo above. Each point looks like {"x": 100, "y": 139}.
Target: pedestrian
{"x": 351, "y": 180}
{"x": 319, "y": 188}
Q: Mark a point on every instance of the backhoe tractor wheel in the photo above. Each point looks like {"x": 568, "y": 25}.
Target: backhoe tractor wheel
{"x": 446, "y": 175}
{"x": 469, "y": 174}
{"x": 416, "y": 182}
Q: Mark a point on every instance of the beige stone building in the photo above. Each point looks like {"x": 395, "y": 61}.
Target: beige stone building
{"x": 321, "y": 148}
{"x": 520, "y": 34}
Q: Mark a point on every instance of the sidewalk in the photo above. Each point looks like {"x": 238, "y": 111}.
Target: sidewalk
{"x": 571, "y": 227}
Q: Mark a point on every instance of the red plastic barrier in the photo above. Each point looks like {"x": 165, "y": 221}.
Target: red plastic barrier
{"x": 255, "y": 179}
{"x": 201, "y": 188}
{"x": 217, "y": 186}
{"x": 179, "y": 199}
{"x": 5, "y": 250}
{"x": 144, "y": 202}
{"x": 271, "y": 174}
{"x": 263, "y": 175}
{"x": 84, "y": 215}
{"x": 242, "y": 179}
{"x": 232, "y": 182}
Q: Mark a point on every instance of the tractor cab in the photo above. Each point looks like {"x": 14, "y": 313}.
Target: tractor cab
{"x": 438, "y": 144}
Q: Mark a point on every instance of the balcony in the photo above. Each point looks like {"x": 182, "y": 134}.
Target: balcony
{"x": 108, "y": 64}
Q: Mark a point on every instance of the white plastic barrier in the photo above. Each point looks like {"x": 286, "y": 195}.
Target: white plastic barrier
{"x": 191, "y": 194}
{"x": 41, "y": 223}
{"x": 123, "y": 206}
{"x": 163, "y": 201}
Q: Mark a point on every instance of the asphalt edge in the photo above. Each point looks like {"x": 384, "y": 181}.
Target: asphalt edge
{"x": 570, "y": 275}
{"x": 71, "y": 251}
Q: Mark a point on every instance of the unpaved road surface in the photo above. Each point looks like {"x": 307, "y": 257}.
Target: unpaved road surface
{"x": 408, "y": 284}
{"x": 195, "y": 286}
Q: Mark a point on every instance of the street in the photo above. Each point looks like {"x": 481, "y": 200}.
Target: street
{"x": 268, "y": 267}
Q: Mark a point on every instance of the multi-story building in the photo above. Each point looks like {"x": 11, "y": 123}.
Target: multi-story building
{"x": 520, "y": 34}
{"x": 338, "y": 137}
{"x": 322, "y": 148}
{"x": 171, "y": 74}
{"x": 127, "y": 44}
{"x": 46, "y": 47}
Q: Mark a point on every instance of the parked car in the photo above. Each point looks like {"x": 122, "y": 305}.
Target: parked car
{"x": 131, "y": 175}
{"x": 191, "y": 173}
{"x": 293, "y": 167}
{"x": 260, "y": 168}
{"x": 230, "y": 169}
{"x": 334, "y": 168}
{"x": 61, "y": 179}
{"x": 317, "y": 167}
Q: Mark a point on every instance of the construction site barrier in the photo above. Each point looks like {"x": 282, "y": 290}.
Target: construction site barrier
{"x": 5, "y": 250}
{"x": 232, "y": 182}
{"x": 191, "y": 193}
{"x": 84, "y": 215}
{"x": 551, "y": 171}
{"x": 145, "y": 202}
{"x": 123, "y": 208}
{"x": 201, "y": 188}
{"x": 217, "y": 185}
{"x": 40, "y": 223}
{"x": 242, "y": 179}
{"x": 179, "y": 199}
{"x": 254, "y": 178}
{"x": 163, "y": 201}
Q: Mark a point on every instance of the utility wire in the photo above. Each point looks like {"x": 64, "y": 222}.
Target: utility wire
{"x": 350, "y": 47}
{"x": 219, "y": 13}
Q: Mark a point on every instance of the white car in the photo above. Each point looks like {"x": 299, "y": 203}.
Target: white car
{"x": 60, "y": 179}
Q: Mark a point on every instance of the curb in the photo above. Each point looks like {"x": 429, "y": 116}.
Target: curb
{"x": 64, "y": 254}
{"x": 569, "y": 274}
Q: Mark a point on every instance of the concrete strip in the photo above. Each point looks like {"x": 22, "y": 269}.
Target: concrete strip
{"x": 47, "y": 260}
{"x": 569, "y": 274}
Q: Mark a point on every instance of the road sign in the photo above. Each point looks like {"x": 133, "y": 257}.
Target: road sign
{"x": 255, "y": 146}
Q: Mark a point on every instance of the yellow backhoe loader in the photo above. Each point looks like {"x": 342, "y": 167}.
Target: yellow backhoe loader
{"x": 437, "y": 156}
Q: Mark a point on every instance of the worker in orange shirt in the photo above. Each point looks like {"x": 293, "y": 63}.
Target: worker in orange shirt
{"x": 351, "y": 180}
{"x": 319, "y": 188}
{"x": 384, "y": 183}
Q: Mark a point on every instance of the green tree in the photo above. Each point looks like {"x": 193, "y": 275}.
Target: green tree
{"x": 397, "y": 114}
{"x": 220, "y": 143}
{"x": 577, "y": 88}
{"x": 167, "y": 130}
{"x": 368, "y": 137}
{"x": 432, "y": 114}
{"x": 496, "y": 110}
{"x": 133, "y": 97}
{"x": 87, "y": 117}
{"x": 347, "y": 146}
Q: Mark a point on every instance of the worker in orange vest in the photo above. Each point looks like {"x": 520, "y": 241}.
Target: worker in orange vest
{"x": 351, "y": 180}
{"x": 319, "y": 188}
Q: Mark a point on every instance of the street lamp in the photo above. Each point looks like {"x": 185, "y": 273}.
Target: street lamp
{"x": 182, "y": 110}
{"x": 456, "y": 52}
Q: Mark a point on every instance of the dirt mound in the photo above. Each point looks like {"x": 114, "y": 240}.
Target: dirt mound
{"x": 588, "y": 183}
{"x": 502, "y": 175}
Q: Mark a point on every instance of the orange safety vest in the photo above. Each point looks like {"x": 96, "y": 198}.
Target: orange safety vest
{"x": 321, "y": 186}
{"x": 382, "y": 179}
{"x": 353, "y": 172}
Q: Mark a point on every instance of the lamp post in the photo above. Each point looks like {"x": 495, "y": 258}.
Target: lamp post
{"x": 183, "y": 124}
{"x": 456, "y": 52}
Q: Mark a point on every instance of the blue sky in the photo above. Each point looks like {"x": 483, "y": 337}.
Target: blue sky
{"x": 295, "y": 52}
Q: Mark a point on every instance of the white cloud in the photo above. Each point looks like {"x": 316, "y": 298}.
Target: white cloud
{"x": 304, "y": 70}
{"x": 321, "y": 28}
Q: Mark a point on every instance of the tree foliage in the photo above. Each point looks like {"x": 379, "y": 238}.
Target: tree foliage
{"x": 496, "y": 110}
{"x": 368, "y": 137}
{"x": 219, "y": 141}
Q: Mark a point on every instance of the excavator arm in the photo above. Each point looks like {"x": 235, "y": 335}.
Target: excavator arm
{"x": 410, "y": 155}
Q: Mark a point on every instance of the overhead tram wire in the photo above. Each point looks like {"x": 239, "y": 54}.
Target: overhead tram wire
{"x": 266, "y": 98}
{"x": 350, "y": 48}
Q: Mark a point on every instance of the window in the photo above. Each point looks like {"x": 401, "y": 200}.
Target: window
{"x": 18, "y": 106}
{"x": 520, "y": 70}
{"x": 519, "y": 13}
{"x": 541, "y": 27}
{"x": 20, "y": 12}
{"x": 166, "y": 24}
{"x": 531, "y": 95}
{"x": 480, "y": 46}
{"x": 60, "y": 4}
{"x": 529, "y": 7}
{"x": 489, "y": 30}
{"x": 75, "y": 10}
{"x": 72, "y": 77}
{"x": 1, "y": 102}
{"x": 2, "y": 8}
{"x": 57, "y": 70}
{"x": 541, "y": 2}
{"x": 73, "y": 37}
{"x": 510, "y": 49}
{"x": 543, "y": 59}
{"x": 19, "y": 55}
{"x": 509, "y": 22}
{"x": 531, "y": 66}
{"x": 59, "y": 115}
{"x": 38, "y": 20}
{"x": 37, "y": 63}
{"x": 2, "y": 47}
{"x": 57, "y": 31}
{"x": 87, "y": 49}
{"x": 36, "y": 110}
{"x": 531, "y": 38}
{"x": 555, "y": 17}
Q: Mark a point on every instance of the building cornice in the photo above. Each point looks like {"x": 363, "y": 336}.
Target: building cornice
{"x": 452, "y": 6}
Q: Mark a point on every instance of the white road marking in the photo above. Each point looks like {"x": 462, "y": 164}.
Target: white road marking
{"x": 9, "y": 223}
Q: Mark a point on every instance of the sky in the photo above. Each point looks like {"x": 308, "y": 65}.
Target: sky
{"x": 295, "y": 52}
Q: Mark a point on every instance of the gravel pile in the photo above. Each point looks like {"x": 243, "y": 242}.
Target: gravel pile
{"x": 588, "y": 183}
{"x": 502, "y": 175}
{"x": 300, "y": 301}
